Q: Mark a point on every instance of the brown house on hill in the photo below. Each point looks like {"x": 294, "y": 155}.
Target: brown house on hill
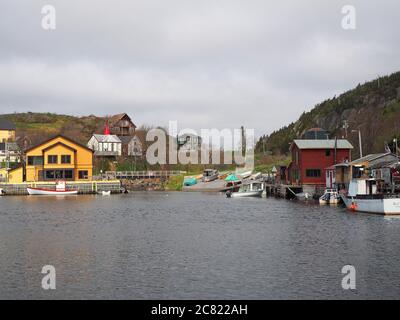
{"x": 134, "y": 146}
{"x": 122, "y": 125}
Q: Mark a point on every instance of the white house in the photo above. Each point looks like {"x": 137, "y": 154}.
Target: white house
{"x": 105, "y": 145}
{"x": 9, "y": 152}
{"x": 189, "y": 142}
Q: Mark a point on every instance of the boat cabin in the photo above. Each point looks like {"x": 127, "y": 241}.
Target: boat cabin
{"x": 365, "y": 187}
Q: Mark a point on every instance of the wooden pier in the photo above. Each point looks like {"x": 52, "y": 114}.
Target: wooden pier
{"x": 83, "y": 187}
{"x": 283, "y": 190}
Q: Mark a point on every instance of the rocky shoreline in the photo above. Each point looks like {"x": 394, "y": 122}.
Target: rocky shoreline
{"x": 144, "y": 184}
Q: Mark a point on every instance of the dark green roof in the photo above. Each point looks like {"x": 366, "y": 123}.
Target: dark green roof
{"x": 6, "y": 125}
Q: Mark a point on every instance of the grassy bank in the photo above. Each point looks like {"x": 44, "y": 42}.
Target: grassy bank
{"x": 174, "y": 183}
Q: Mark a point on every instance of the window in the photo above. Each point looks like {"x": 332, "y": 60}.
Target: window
{"x": 328, "y": 152}
{"x": 52, "y": 159}
{"x": 68, "y": 174}
{"x": 83, "y": 174}
{"x": 49, "y": 175}
{"x": 35, "y": 161}
{"x": 65, "y": 159}
{"x": 59, "y": 174}
{"x": 313, "y": 173}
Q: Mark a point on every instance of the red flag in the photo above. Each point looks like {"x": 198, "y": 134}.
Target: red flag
{"x": 107, "y": 130}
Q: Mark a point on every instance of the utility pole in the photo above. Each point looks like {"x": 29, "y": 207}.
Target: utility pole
{"x": 243, "y": 141}
{"x": 345, "y": 127}
{"x": 359, "y": 141}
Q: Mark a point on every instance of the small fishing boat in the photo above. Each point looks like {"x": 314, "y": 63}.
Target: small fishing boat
{"x": 210, "y": 175}
{"x": 364, "y": 195}
{"x": 303, "y": 196}
{"x": 59, "y": 191}
{"x": 252, "y": 189}
{"x": 106, "y": 193}
{"x": 331, "y": 196}
{"x": 245, "y": 175}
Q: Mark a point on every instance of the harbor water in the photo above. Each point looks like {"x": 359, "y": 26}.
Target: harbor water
{"x": 158, "y": 245}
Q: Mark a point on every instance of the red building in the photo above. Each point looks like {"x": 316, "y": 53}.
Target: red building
{"x": 311, "y": 158}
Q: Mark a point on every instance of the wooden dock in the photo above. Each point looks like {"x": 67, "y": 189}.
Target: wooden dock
{"x": 282, "y": 190}
{"x": 83, "y": 187}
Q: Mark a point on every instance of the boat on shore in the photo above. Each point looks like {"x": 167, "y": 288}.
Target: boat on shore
{"x": 210, "y": 175}
{"x": 364, "y": 195}
{"x": 59, "y": 191}
{"x": 252, "y": 189}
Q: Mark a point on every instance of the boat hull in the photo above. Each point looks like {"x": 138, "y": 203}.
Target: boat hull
{"x": 385, "y": 206}
{"x": 245, "y": 194}
{"x": 46, "y": 192}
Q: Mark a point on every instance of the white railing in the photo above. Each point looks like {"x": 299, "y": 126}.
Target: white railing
{"x": 142, "y": 174}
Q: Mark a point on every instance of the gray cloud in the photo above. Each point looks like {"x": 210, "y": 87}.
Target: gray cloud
{"x": 204, "y": 63}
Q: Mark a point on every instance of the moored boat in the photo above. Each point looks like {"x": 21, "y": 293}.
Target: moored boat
{"x": 59, "y": 191}
{"x": 364, "y": 196}
{"x": 252, "y": 189}
{"x": 331, "y": 196}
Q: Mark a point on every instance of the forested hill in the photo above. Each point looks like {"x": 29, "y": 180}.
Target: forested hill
{"x": 39, "y": 126}
{"x": 373, "y": 107}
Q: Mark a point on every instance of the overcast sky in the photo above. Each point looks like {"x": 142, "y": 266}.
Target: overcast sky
{"x": 205, "y": 63}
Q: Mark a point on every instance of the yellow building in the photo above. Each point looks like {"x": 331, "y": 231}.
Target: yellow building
{"x": 7, "y": 131}
{"x": 59, "y": 158}
{"x": 16, "y": 175}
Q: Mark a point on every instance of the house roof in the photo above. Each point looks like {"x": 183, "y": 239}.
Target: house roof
{"x": 55, "y": 137}
{"x": 120, "y": 116}
{"x": 107, "y": 138}
{"x": 393, "y": 163}
{"x": 125, "y": 139}
{"x": 369, "y": 157}
{"x": 6, "y": 125}
{"x": 322, "y": 144}
{"x": 141, "y": 134}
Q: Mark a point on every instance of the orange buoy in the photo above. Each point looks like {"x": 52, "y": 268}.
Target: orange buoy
{"x": 353, "y": 207}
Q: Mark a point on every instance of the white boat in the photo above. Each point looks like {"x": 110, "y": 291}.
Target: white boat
{"x": 253, "y": 189}
{"x": 304, "y": 196}
{"x": 245, "y": 175}
{"x": 106, "y": 193}
{"x": 210, "y": 175}
{"x": 364, "y": 196}
{"x": 331, "y": 196}
{"x": 1, "y": 192}
{"x": 59, "y": 191}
